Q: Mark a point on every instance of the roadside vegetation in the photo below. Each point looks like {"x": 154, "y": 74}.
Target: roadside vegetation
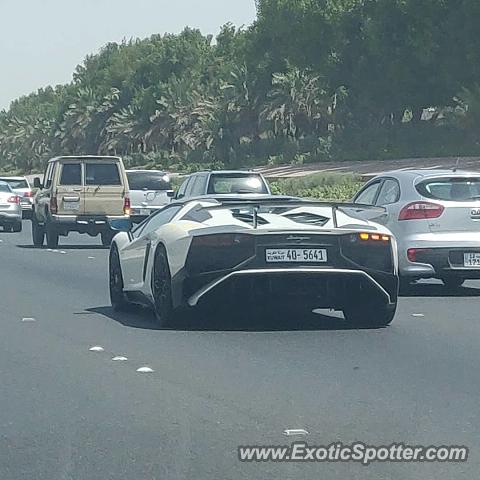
{"x": 307, "y": 82}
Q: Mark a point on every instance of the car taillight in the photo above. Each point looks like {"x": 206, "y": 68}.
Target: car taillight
{"x": 28, "y": 194}
{"x": 210, "y": 253}
{"x": 14, "y": 199}
{"x": 414, "y": 253}
{"x": 127, "y": 206}
{"x": 420, "y": 211}
{"x": 53, "y": 205}
{"x": 373, "y": 251}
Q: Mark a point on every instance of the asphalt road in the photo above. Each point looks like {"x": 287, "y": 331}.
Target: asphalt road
{"x": 69, "y": 413}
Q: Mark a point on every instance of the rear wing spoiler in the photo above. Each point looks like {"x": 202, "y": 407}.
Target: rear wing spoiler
{"x": 255, "y": 205}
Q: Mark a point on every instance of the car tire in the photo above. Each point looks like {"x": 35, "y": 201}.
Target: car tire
{"x": 17, "y": 227}
{"x": 118, "y": 298}
{"x": 162, "y": 289}
{"x": 38, "y": 233}
{"x": 453, "y": 283}
{"x": 107, "y": 238}
{"x": 52, "y": 236}
{"x": 371, "y": 316}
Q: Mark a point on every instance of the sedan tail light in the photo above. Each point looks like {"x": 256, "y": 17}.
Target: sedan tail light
{"x": 421, "y": 211}
{"x": 14, "y": 199}
{"x": 28, "y": 194}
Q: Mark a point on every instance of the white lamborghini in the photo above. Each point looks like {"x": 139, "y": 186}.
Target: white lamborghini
{"x": 234, "y": 252}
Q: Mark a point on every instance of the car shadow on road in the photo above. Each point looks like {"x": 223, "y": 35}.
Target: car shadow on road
{"x": 143, "y": 318}
{"x": 66, "y": 247}
{"x": 437, "y": 290}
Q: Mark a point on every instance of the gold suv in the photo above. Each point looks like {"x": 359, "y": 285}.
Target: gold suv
{"x": 79, "y": 194}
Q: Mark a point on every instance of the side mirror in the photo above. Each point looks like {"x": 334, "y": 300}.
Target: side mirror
{"x": 37, "y": 183}
{"x": 120, "y": 224}
{"x": 170, "y": 194}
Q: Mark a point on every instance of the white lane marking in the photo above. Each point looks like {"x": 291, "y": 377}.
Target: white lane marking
{"x": 54, "y": 251}
{"x": 291, "y": 432}
{"x": 144, "y": 370}
{"x": 418, "y": 315}
{"x": 91, "y": 258}
{"x": 97, "y": 348}
{"x": 49, "y": 250}
{"x": 63, "y": 252}
{"x": 119, "y": 358}
{"x": 28, "y": 319}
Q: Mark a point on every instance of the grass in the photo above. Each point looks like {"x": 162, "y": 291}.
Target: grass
{"x": 321, "y": 186}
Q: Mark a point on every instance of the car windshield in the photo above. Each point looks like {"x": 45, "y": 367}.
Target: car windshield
{"x": 148, "y": 181}
{"x": 457, "y": 189}
{"x": 16, "y": 183}
{"x": 236, "y": 183}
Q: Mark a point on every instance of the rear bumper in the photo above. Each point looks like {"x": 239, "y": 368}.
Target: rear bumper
{"x": 92, "y": 224}
{"x": 10, "y": 216}
{"x": 335, "y": 287}
{"x": 441, "y": 262}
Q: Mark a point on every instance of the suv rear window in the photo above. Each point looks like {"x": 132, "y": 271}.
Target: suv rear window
{"x": 236, "y": 183}
{"x": 15, "y": 183}
{"x": 102, "y": 174}
{"x": 456, "y": 189}
{"x": 148, "y": 181}
{"x": 71, "y": 174}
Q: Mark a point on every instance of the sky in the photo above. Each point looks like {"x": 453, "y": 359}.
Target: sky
{"x": 42, "y": 41}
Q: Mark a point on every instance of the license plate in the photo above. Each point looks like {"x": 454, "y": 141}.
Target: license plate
{"x": 296, "y": 255}
{"x": 471, "y": 260}
{"x": 71, "y": 205}
{"x": 144, "y": 211}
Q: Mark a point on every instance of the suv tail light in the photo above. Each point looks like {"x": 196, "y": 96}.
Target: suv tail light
{"x": 14, "y": 199}
{"x": 127, "y": 206}
{"x": 53, "y": 205}
{"x": 421, "y": 211}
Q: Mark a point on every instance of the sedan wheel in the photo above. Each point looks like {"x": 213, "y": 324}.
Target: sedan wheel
{"x": 117, "y": 295}
{"x": 453, "y": 283}
{"x": 162, "y": 289}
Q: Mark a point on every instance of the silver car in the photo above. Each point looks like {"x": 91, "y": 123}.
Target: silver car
{"x": 435, "y": 217}
{"x": 22, "y": 188}
{"x": 150, "y": 190}
{"x": 10, "y": 209}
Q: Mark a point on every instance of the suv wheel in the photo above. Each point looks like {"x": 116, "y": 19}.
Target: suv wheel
{"x": 107, "y": 237}
{"x": 52, "y": 236}
{"x": 38, "y": 233}
{"x": 17, "y": 227}
{"x": 370, "y": 316}
{"x": 453, "y": 283}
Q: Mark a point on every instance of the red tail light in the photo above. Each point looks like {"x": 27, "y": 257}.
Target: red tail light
{"x": 127, "y": 206}
{"x": 53, "y": 205}
{"x": 28, "y": 194}
{"x": 412, "y": 253}
{"x": 421, "y": 211}
{"x": 14, "y": 199}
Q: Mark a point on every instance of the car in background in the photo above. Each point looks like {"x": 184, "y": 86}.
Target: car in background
{"x": 21, "y": 186}
{"x": 10, "y": 209}
{"x": 223, "y": 182}
{"x": 150, "y": 190}
{"x": 435, "y": 217}
{"x": 281, "y": 253}
{"x": 79, "y": 194}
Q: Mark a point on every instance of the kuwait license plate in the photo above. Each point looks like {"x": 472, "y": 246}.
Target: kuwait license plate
{"x": 296, "y": 255}
{"x": 71, "y": 205}
{"x": 471, "y": 260}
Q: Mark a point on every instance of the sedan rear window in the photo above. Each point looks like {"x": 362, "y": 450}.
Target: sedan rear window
{"x": 102, "y": 174}
{"x": 4, "y": 187}
{"x": 236, "y": 183}
{"x": 15, "y": 183}
{"x": 456, "y": 189}
{"x": 148, "y": 181}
